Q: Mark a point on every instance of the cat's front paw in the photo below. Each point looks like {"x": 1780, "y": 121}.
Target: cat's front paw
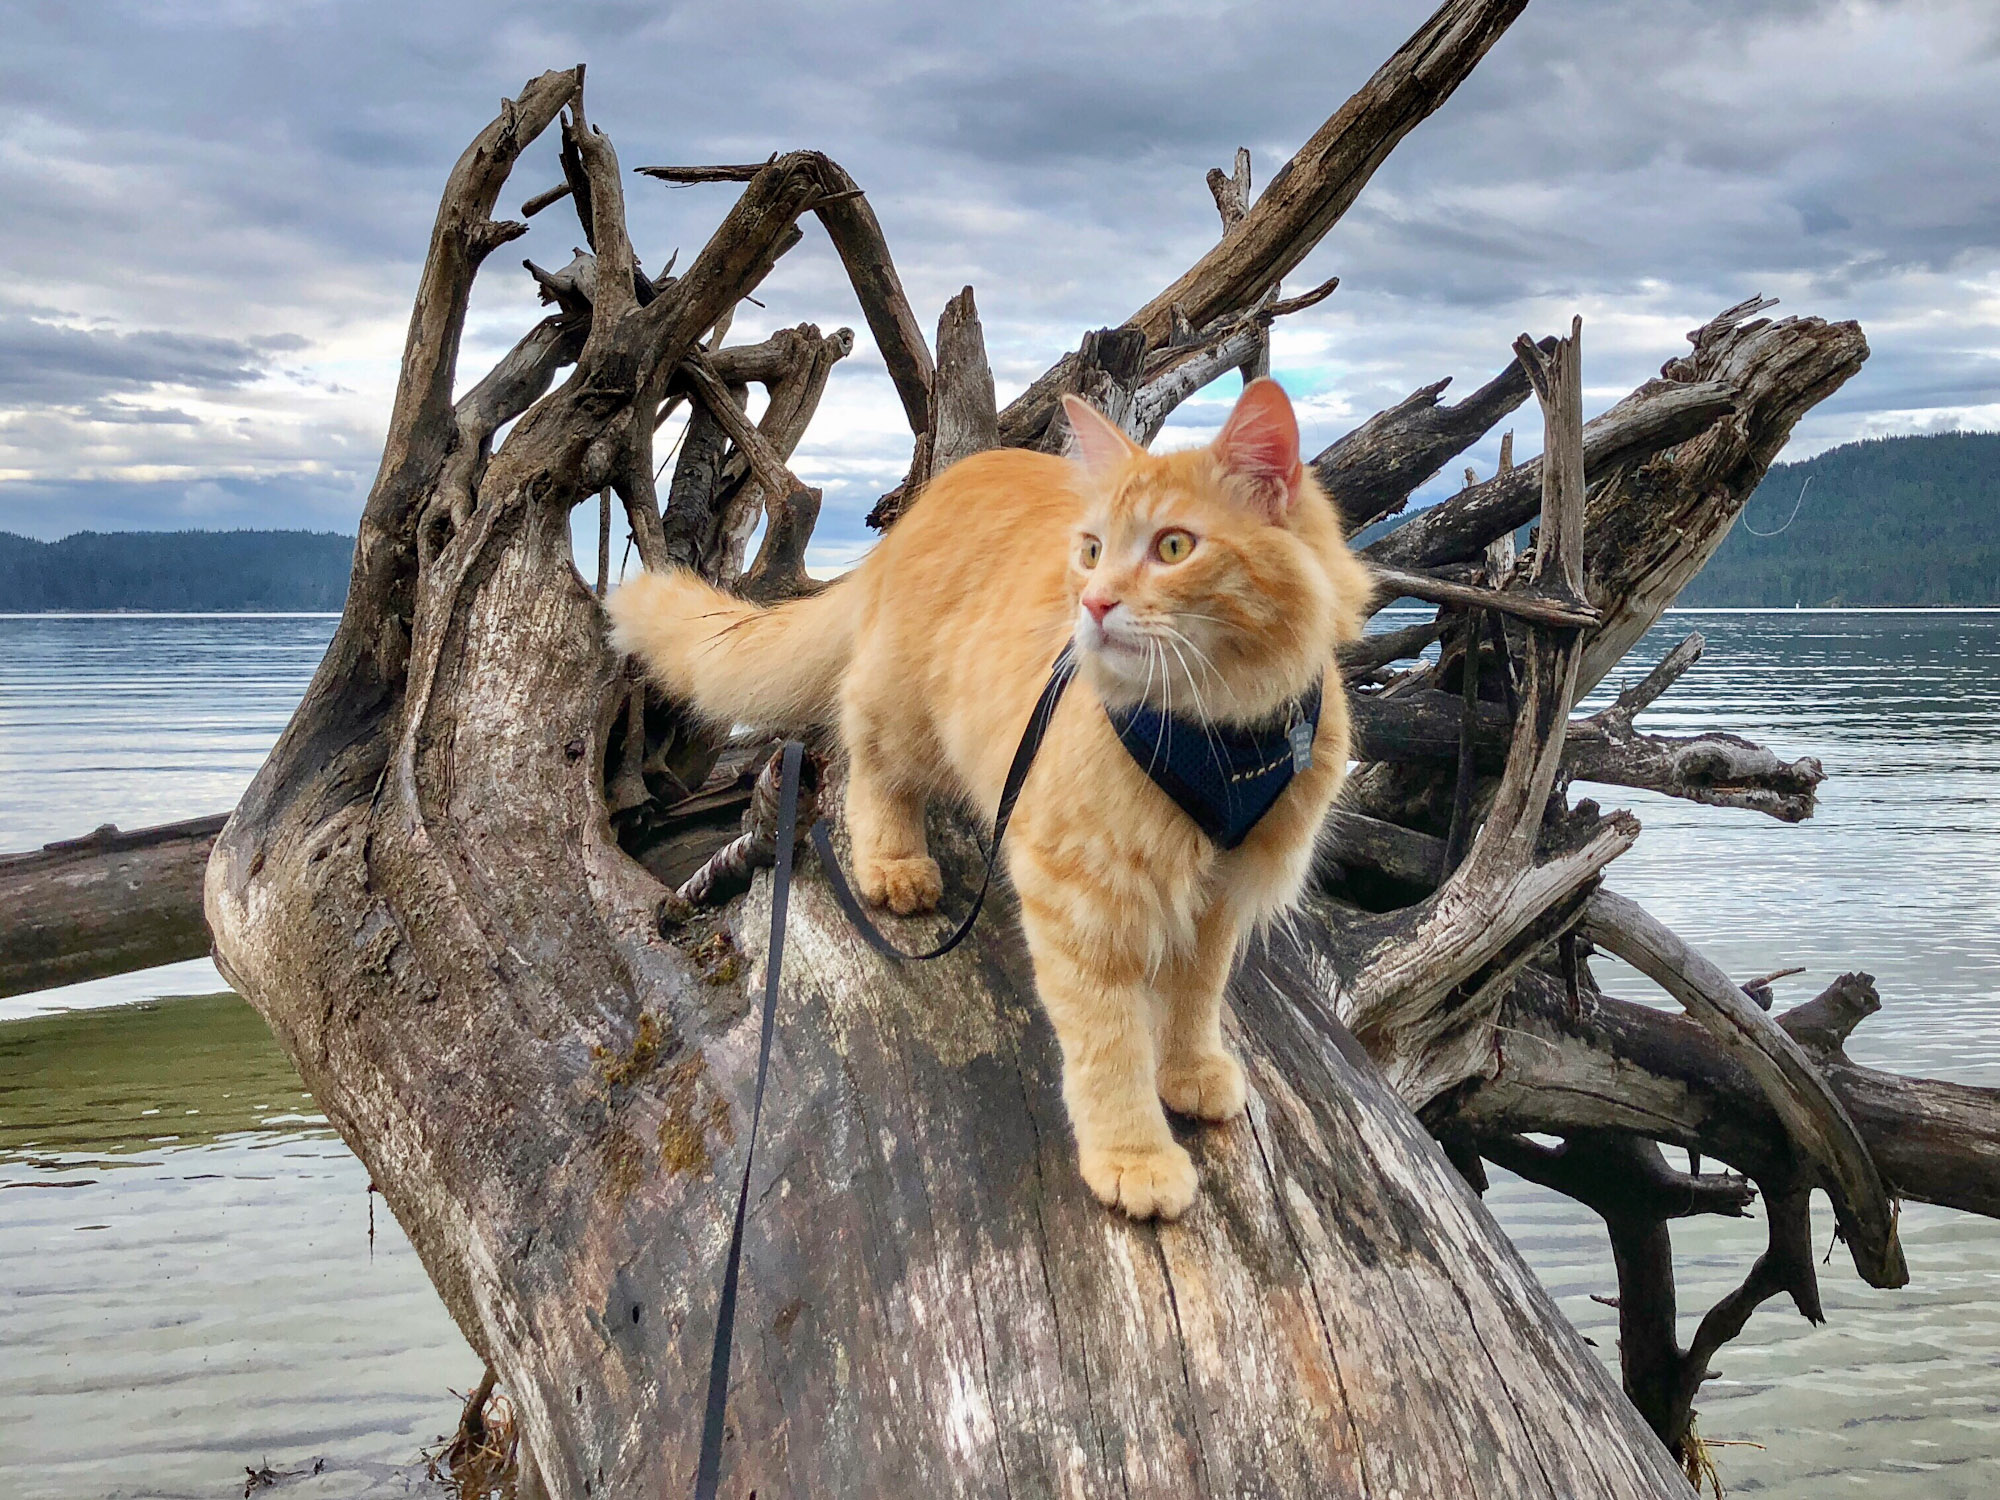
{"x": 905, "y": 886}
{"x": 1208, "y": 1088}
{"x": 1142, "y": 1184}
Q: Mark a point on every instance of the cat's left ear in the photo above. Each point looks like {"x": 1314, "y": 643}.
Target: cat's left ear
{"x": 1260, "y": 443}
{"x": 1095, "y": 441}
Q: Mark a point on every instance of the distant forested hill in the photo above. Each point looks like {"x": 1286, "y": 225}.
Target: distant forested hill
{"x": 1906, "y": 520}
{"x": 176, "y": 570}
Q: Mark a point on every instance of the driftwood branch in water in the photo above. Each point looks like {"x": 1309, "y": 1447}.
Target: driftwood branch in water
{"x": 1363, "y": 657}
{"x": 106, "y": 903}
{"x": 1720, "y": 770}
{"x": 1802, "y": 1098}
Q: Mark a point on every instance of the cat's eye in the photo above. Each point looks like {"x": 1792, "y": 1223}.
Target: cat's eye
{"x": 1173, "y": 546}
{"x": 1090, "y": 551}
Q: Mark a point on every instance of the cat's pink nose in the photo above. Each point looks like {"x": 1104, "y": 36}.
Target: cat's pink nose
{"x": 1099, "y": 608}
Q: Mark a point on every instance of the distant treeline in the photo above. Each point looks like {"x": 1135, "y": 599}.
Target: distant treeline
{"x": 176, "y": 570}
{"x": 1890, "y": 521}
{"x": 1905, "y": 520}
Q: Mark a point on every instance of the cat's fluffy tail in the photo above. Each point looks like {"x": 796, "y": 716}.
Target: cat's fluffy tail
{"x": 733, "y": 662}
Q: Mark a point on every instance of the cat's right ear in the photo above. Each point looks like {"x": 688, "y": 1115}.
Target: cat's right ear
{"x": 1095, "y": 441}
{"x": 1260, "y": 444}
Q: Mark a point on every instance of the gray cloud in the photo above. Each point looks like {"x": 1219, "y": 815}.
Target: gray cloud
{"x": 216, "y": 216}
{"x": 46, "y": 363}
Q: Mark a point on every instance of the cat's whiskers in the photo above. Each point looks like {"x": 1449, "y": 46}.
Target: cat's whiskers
{"x": 1202, "y": 716}
{"x": 1208, "y": 665}
{"x": 1207, "y": 715}
{"x": 1188, "y": 641}
{"x": 1146, "y": 694}
{"x": 1295, "y": 634}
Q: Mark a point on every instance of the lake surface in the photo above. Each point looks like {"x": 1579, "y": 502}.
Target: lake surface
{"x": 189, "y": 1283}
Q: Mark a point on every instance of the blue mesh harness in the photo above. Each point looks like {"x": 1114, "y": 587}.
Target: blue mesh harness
{"x": 1225, "y": 779}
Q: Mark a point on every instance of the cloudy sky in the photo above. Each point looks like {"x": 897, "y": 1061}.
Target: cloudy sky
{"x": 214, "y": 211}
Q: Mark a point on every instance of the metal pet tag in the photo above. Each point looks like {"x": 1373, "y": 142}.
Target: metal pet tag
{"x": 1301, "y": 735}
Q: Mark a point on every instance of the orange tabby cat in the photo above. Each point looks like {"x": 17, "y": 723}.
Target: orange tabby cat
{"x": 1213, "y": 583}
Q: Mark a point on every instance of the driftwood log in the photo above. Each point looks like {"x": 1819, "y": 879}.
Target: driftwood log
{"x": 107, "y": 903}
{"x": 490, "y": 892}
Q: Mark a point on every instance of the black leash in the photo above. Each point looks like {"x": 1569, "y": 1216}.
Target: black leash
{"x": 1010, "y": 793}
{"x": 708, "y": 1471}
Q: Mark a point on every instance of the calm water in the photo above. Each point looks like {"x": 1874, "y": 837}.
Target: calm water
{"x": 189, "y": 1282}
{"x": 190, "y": 1287}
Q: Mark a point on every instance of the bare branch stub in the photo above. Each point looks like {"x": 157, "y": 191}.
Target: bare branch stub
{"x": 1557, "y": 377}
{"x": 686, "y": 176}
{"x": 1106, "y": 373}
{"x": 1823, "y": 1024}
{"x": 1232, "y": 190}
{"x": 1642, "y": 694}
{"x": 964, "y": 417}
{"x": 547, "y": 198}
